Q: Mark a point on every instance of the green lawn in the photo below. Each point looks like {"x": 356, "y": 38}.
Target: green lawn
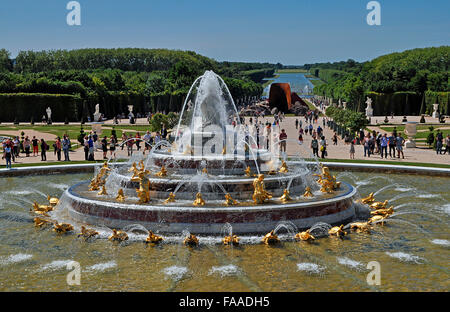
{"x": 397, "y": 163}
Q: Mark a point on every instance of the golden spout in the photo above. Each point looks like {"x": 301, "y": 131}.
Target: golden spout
{"x": 337, "y": 231}
{"x": 231, "y": 240}
{"x": 383, "y": 212}
{"x": 270, "y": 238}
{"x": 153, "y": 238}
{"x": 361, "y": 227}
{"x": 39, "y": 222}
{"x": 308, "y": 192}
{"x": 204, "y": 170}
{"x": 379, "y": 205}
{"x": 53, "y": 201}
{"x": 162, "y": 173}
{"x": 87, "y": 233}
{"x": 170, "y": 199}
{"x": 62, "y": 227}
{"x": 118, "y": 236}
{"x": 191, "y": 240}
{"x": 198, "y": 200}
{"x": 120, "y": 196}
{"x": 285, "y": 197}
{"x": 284, "y": 167}
{"x": 368, "y": 200}
{"x": 304, "y": 236}
{"x": 229, "y": 201}
{"x": 248, "y": 171}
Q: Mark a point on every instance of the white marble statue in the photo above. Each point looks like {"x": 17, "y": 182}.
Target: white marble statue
{"x": 49, "y": 113}
{"x": 369, "y": 109}
{"x": 97, "y": 114}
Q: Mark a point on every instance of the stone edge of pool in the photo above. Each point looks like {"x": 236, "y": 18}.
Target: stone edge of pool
{"x": 381, "y": 168}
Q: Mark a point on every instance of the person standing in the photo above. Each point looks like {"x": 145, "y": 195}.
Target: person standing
{"x": 26, "y": 146}
{"x": 283, "y": 138}
{"x": 138, "y": 141}
{"x": 447, "y": 144}
{"x": 44, "y": 149}
{"x": 296, "y": 124}
{"x": 315, "y": 147}
{"x": 112, "y": 146}
{"x": 335, "y": 139}
{"x": 366, "y": 146}
{"x": 35, "y": 143}
{"x": 104, "y": 147}
{"x": 323, "y": 147}
{"x": 7, "y": 155}
{"x": 91, "y": 149}
{"x": 124, "y": 139}
{"x": 66, "y": 148}
{"x": 352, "y": 150}
{"x": 163, "y": 132}
{"x": 400, "y": 142}
{"x": 86, "y": 148}
{"x": 439, "y": 142}
{"x": 16, "y": 143}
{"x": 57, "y": 148}
{"x": 391, "y": 142}
{"x": 383, "y": 145}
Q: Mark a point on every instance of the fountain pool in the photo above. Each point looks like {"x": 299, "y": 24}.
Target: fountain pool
{"x": 412, "y": 248}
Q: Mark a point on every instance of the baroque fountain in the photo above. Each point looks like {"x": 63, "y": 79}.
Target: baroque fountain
{"x": 210, "y": 176}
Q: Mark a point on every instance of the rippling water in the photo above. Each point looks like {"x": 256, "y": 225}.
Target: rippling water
{"x": 412, "y": 249}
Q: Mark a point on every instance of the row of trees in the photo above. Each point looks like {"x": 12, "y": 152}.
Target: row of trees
{"x": 161, "y": 76}
{"x": 418, "y": 70}
{"x": 351, "y": 120}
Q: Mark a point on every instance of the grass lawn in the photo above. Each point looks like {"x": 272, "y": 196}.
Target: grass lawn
{"x": 397, "y": 163}
{"x": 419, "y": 135}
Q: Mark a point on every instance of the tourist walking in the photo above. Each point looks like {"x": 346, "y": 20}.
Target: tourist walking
{"x": 91, "y": 149}
{"x": 44, "y": 149}
{"x": 447, "y": 144}
{"x": 335, "y": 139}
{"x": 439, "y": 142}
{"x": 296, "y": 124}
{"x": 400, "y": 142}
{"x": 384, "y": 145}
{"x": 124, "y": 139}
{"x": 366, "y": 146}
{"x": 86, "y": 147}
{"x": 138, "y": 141}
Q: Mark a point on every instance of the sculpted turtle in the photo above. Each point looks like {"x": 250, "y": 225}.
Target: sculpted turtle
{"x": 337, "y": 231}
{"x": 118, "y": 236}
{"x": 230, "y": 240}
{"x": 305, "y": 236}
{"x": 87, "y": 233}
{"x": 191, "y": 240}
{"x": 270, "y": 238}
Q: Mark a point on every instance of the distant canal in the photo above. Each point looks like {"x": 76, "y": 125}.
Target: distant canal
{"x": 298, "y": 82}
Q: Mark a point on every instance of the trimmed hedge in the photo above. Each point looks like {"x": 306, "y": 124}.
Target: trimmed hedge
{"x": 441, "y": 98}
{"x": 23, "y": 106}
{"x": 399, "y": 103}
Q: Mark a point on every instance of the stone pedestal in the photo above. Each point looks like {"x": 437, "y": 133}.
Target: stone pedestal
{"x": 97, "y": 127}
{"x": 410, "y": 131}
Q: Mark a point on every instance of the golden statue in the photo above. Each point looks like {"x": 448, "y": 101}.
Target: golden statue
{"x": 270, "y": 238}
{"x": 337, "y": 231}
{"x": 383, "y": 212}
{"x": 377, "y": 219}
{"x": 135, "y": 170}
{"x": 368, "y": 200}
{"x": 53, "y": 201}
{"x": 224, "y": 150}
{"x": 162, "y": 173}
{"x": 285, "y": 197}
{"x": 41, "y": 208}
{"x": 170, "y": 199}
{"x": 141, "y": 165}
{"x": 100, "y": 178}
{"x": 94, "y": 185}
{"x": 198, "y": 200}
{"x": 308, "y": 192}
{"x": 118, "y": 236}
{"x": 260, "y": 195}
{"x": 120, "y": 196}
{"x": 328, "y": 182}
{"x": 103, "y": 191}
{"x": 153, "y": 238}
{"x": 143, "y": 192}
{"x": 379, "y": 205}
{"x": 361, "y": 227}
{"x": 205, "y": 171}
{"x": 188, "y": 150}
{"x": 191, "y": 240}
{"x": 305, "y": 236}
{"x": 229, "y": 201}
{"x": 231, "y": 240}
{"x": 283, "y": 168}
{"x": 87, "y": 233}
{"x": 38, "y": 222}
{"x": 248, "y": 171}
{"x": 62, "y": 227}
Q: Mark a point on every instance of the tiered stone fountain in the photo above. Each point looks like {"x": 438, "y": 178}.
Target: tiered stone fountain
{"x": 210, "y": 176}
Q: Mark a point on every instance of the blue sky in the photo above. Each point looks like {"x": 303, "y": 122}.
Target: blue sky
{"x": 285, "y": 31}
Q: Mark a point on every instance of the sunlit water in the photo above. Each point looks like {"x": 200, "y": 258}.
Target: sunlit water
{"x": 412, "y": 249}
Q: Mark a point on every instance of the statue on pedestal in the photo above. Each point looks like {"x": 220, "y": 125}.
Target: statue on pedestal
{"x": 369, "y": 109}
{"x": 49, "y": 115}
{"x": 436, "y": 111}
{"x": 97, "y": 114}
